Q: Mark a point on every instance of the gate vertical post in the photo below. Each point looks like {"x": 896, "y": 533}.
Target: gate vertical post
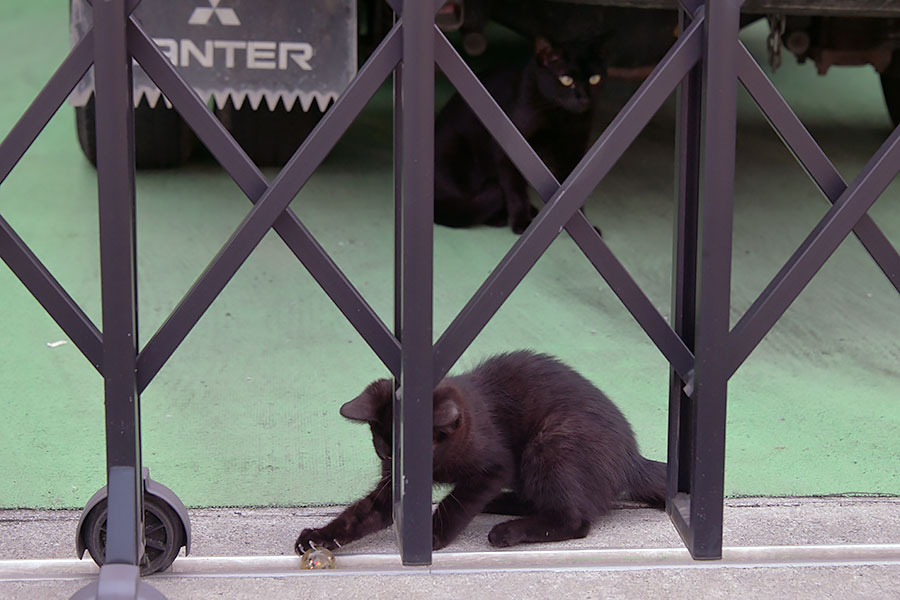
{"x": 684, "y": 284}
{"x": 413, "y": 435}
{"x": 116, "y": 194}
{"x": 115, "y": 185}
{"x": 398, "y": 240}
{"x": 711, "y": 363}
{"x": 119, "y": 577}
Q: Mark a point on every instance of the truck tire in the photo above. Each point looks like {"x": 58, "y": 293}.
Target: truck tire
{"x": 890, "y": 86}
{"x": 269, "y": 137}
{"x": 162, "y": 139}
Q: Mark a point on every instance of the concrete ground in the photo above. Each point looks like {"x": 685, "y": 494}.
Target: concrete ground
{"x": 818, "y": 548}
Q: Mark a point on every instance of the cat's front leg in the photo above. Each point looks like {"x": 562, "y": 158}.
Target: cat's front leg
{"x": 460, "y": 506}
{"x": 371, "y": 514}
{"x": 515, "y": 195}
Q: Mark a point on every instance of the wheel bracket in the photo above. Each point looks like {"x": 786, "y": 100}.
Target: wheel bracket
{"x": 151, "y": 488}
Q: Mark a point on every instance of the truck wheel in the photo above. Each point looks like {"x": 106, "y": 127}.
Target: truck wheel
{"x": 269, "y": 137}
{"x": 890, "y": 85}
{"x": 162, "y": 139}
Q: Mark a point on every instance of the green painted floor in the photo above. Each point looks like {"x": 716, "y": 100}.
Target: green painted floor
{"x": 245, "y": 413}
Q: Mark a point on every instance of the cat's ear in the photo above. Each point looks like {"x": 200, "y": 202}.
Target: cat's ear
{"x": 544, "y": 51}
{"x": 365, "y": 407}
{"x": 447, "y": 408}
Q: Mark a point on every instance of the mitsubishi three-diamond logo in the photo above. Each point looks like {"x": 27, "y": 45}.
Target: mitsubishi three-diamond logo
{"x": 202, "y": 14}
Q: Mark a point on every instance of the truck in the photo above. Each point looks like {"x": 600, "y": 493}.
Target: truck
{"x": 269, "y": 69}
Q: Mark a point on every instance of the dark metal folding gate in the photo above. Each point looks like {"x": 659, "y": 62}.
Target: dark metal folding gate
{"x": 704, "y": 65}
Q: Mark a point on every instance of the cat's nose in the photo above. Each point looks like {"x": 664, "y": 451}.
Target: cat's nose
{"x": 582, "y": 101}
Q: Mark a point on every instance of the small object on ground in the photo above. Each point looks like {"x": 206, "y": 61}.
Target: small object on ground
{"x": 317, "y": 558}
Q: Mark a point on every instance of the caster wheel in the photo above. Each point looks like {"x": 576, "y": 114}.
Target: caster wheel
{"x": 163, "y": 534}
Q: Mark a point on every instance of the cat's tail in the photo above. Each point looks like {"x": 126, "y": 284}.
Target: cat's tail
{"x": 648, "y": 483}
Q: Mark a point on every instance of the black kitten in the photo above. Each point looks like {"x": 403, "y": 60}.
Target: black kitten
{"x": 550, "y": 100}
{"x": 522, "y": 434}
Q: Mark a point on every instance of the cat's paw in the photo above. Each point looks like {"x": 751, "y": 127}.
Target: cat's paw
{"x": 318, "y": 538}
{"x": 437, "y": 541}
{"x": 445, "y": 530}
{"x": 440, "y": 536}
{"x": 505, "y": 534}
{"x": 520, "y": 225}
{"x": 520, "y": 219}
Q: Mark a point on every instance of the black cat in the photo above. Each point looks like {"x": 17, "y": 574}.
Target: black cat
{"x": 521, "y": 434}
{"x": 551, "y": 101}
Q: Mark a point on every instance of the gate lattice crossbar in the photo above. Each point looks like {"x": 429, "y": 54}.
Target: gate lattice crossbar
{"x": 564, "y": 202}
{"x": 705, "y": 64}
{"x": 701, "y": 309}
{"x": 20, "y": 259}
{"x": 270, "y": 202}
{"x": 850, "y": 205}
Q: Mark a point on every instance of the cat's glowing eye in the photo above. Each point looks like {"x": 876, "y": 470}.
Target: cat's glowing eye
{"x": 595, "y": 79}
{"x": 567, "y": 81}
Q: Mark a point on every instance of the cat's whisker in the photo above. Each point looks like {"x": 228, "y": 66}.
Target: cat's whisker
{"x": 440, "y": 516}
{"x": 455, "y": 499}
{"x": 380, "y": 488}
